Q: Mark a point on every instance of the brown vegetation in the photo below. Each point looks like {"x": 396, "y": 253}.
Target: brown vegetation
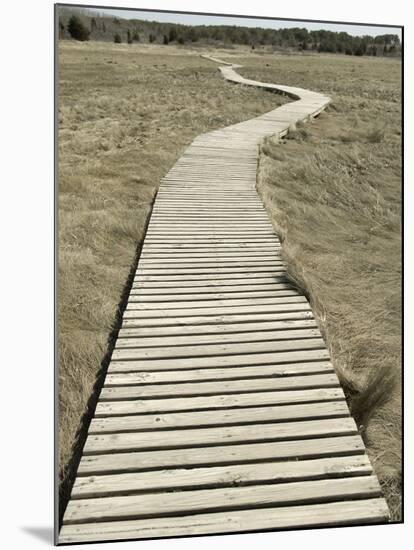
{"x": 333, "y": 188}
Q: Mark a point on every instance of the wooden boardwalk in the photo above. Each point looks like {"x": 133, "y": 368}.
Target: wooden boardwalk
{"x": 221, "y": 411}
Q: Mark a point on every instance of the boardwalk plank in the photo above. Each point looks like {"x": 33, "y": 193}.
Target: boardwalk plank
{"x": 144, "y": 391}
{"x": 279, "y": 300}
{"x": 205, "y": 284}
{"x": 373, "y": 510}
{"x": 207, "y": 298}
{"x": 217, "y": 402}
{"x": 228, "y": 373}
{"x": 181, "y": 332}
{"x": 135, "y": 506}
{"x": 141, "y": 461}
{"x": 217, "y": 320}
{"x": 235, "y": 360}
{"x": 280, "y": 306}
{"x": 141, "y": 294}
{"x": 219, "y": 338}
{"x": 221, "y": 476}
{"x": 218, "y": 349}
{"x": 250, "y": 415}
{"x": 203, "y": 437}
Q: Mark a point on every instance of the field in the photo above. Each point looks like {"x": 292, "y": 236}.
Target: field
{"x": 332, "y": 187}
{"x": 126, "y": 113}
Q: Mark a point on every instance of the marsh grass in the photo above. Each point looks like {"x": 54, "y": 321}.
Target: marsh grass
{"x": 333, "y": 189}
{"x": 126, "y": 113}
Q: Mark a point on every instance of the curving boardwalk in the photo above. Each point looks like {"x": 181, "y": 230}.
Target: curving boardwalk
{"x": 221, "y": 411}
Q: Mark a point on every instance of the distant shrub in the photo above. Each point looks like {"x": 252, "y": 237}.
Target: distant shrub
{"x": 77, "y": 29}
{"x": 165, "y": 39}
{"x": 117, "y": 38}
{"x": 172, "y": 35}
{"x": 129, "y": 37}
{"x": 181, "y": 40}
{"x": 191, "y": 34}
{"x": 135, "y": 36}
{"x": 151, "y": 38}
{"x": 61, "y": 29}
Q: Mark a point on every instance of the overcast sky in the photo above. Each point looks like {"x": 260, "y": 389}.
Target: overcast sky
{"x": 356, "y": 30}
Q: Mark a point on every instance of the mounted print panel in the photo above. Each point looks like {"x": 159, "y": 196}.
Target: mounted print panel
{"x": 229, "y": 312}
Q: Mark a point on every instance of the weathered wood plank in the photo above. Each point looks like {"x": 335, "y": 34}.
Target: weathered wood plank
{"x": 250, "y": 415}
{"x": 217, "y": 402}
{"x": 275, "y": 274}
{"x": 221, "y": 476}
{"x": 216, "y": 291}
{"x": 291, "y": 356}
{"x": 185, "y": 272}
{"x": 219, "y": 349}
{"x": 209, "y": 298}
{"x": 212, "y": 374}
{"x": 294, "y": 304}
{"x": 279, "y": 299}
{"x": 144, "y": 391}
{"x": 198, "y": 249}
{"x": 141, "y": 461}
{"x": 141, "y": 293}
{"x": 217, "y": 320}
{"x": 210, "y": 257}
{"x": 191, "y": 214}
{"x": 218, "y": 338}
{"x": 135, "y": 506}
{"x": 203, "y": 437}
{"x": 145, "y": 334}
{"x": 153, "y": 284}
{"x": 373, "y": 510}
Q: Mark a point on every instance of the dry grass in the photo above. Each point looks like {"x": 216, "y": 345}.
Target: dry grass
{"x": 333, "y": 188}
{"x": 125, "y": 115}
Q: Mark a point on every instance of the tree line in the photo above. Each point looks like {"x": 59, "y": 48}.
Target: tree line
{"x": 91, "y": 27}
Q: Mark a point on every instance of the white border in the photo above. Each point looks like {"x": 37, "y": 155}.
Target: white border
{"x": 26, "y": 219}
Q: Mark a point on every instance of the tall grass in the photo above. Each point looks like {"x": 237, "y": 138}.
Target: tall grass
{"x": 333, "y": 189}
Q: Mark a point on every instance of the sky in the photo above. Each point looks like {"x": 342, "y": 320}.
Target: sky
{"x": 187, "y": 19}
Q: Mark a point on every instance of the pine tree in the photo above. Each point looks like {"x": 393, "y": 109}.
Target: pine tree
{"x": 172, "y": 35}
{"x": 61, "y": 29}
{"x": 77, "y": 29}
